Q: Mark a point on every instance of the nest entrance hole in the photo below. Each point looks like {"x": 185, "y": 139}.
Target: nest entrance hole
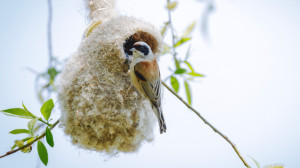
{"x": 140, "y": 36}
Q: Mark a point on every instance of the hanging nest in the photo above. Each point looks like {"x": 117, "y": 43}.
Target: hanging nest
{"x": 101, "y": 109}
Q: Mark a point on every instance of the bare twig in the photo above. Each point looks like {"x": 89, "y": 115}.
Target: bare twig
{"x": 49, "y": 31}
{"x": 172, "y": 31}
{"x": 30, "y": 143}
{"x": 210, "y": 125}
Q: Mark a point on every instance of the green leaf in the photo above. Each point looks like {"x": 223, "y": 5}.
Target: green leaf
{"x": 256, "y": 162}
{"x": 43, "y": 154}
{"x": 47, "y": 109}
{"x": 24, "y": 107}
{"x": 30, "y": 140}
{"x": 40, "y": 95}
{"x": 172, "y": 5}
{"x": 180, "y": 71}
{"x": 49, "y": 137}
{"x": 188, "y": 92}
{"x": 174, "y": 84}
{"x": 52, "y": 72}
{"x": 177, "y": 64}
{"x": 31, "y": 125}
{"x": 190, "y": 78}
{"x": 274, "y": 166}
{"x": 27, "y": 139}
{"x": 37, "y": 127}
{"x": 19, "y": 143}
{"x": 195, "y": 74}
{"x": 18, "y": 112}
{"x": 189, "y": 65}
{"x": 189, "y": 29}
{"x": 188, "y": 53}
{"x": 19, "y": 131}
{"x": 13, "y": 147}
{"x": 181, "y": 41}
{"x": 166, "y": 49}
{"x": 27, "y": 149}
{"x": 164, "y": 29}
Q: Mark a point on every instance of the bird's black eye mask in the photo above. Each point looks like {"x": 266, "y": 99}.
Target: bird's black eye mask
{"x": 142, "y": 48}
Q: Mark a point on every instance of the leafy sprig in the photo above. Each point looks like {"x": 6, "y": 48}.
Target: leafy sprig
{"x": 182, "y": 67}
{"x": 31, "y": 132}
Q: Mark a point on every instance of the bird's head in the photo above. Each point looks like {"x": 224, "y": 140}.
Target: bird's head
{"x": 141, "y": 50}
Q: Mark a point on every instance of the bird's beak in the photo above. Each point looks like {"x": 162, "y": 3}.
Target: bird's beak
{"x": 132, "y": 49}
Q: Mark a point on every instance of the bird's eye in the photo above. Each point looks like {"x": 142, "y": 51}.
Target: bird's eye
{"x": 142, "y": 49}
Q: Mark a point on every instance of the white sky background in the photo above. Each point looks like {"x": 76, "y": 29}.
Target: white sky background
{"x": 250, "y": 92}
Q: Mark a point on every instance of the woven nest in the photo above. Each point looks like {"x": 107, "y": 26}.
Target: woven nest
{"x": 101, "y": 109}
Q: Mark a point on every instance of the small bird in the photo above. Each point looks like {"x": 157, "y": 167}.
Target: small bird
{"x": 145, "y": 76}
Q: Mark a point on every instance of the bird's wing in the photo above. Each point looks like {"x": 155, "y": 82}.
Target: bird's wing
{"x": 149, "y": 81}
{"x": 153, "y": 92}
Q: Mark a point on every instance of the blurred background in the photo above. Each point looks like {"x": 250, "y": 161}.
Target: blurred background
{"x": 249, "y": 55}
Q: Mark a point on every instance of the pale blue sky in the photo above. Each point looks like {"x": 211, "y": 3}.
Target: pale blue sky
{"x": 251, "y": 90}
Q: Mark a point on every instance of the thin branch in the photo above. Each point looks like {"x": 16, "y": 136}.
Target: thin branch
{"x": 210, "y": 125}
{"x": 196, "y": 112}
{"x": 41, "y": 120}
{"x": 172, "y": 31}
{"x": 49, "y": 30}
{"x": 30, "y": 143}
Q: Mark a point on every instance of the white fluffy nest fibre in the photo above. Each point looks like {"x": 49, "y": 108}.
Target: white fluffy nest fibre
{"x": 101, "y": 110}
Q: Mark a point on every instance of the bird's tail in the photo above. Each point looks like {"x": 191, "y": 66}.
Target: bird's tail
{"x": 161, "y": 120}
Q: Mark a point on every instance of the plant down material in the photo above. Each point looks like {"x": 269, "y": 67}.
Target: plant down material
{"x": 101, "y": 110}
